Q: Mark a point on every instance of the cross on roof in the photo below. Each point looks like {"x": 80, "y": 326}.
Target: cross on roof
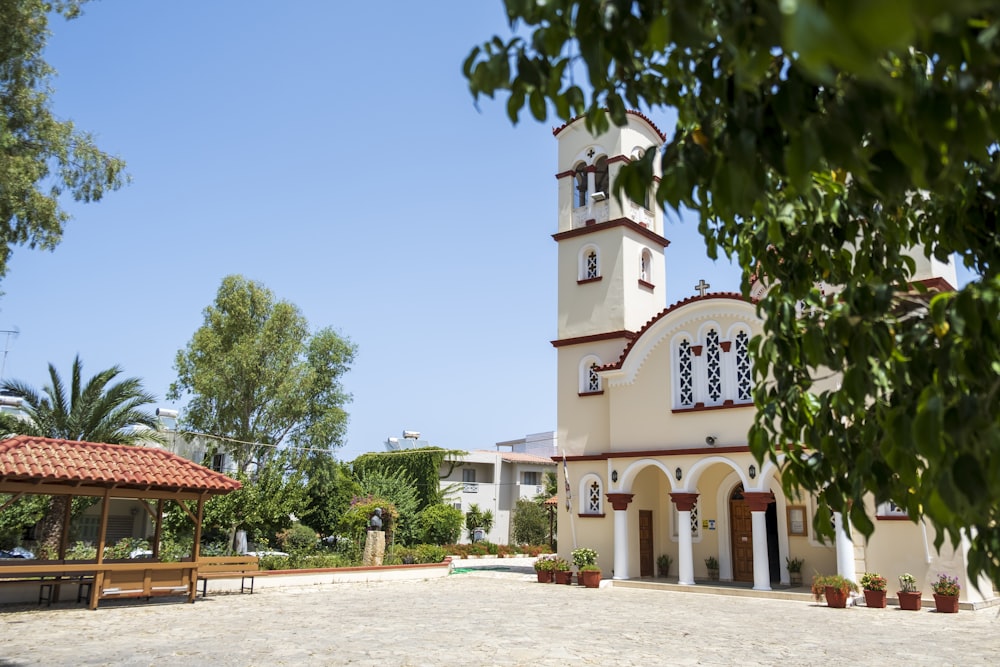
{"x": 702, "y": 287}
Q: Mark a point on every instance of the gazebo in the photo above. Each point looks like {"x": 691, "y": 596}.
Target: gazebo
{"x": 47, "y": 466}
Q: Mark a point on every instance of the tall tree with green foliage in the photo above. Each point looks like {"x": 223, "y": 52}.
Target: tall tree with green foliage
{"x": 41, "y": 156}
{"x": 422, "y": 465}
{"x": 820, "y": 142}
{"x": 258, "y": 380}
{"x": 330, "y": 486}
{"x": 101, "y": 409}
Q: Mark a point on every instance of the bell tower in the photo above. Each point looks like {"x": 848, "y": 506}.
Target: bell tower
{"x": 611, "y": 271}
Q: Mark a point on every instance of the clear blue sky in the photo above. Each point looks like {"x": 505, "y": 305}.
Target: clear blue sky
{"x": 332, "y": 152}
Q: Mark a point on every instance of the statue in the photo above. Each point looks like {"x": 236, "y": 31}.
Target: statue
{"x": 375, "y": 540}
{"x": 375, "y": 523}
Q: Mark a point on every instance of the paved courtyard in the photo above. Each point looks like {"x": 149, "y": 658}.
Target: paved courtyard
{"x": 490, "y": 617}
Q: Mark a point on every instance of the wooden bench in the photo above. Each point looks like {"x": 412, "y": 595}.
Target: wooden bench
{"x": 138, "y": 579}
{"x": 228, "y": 567}
{"x": 48, "y": 574}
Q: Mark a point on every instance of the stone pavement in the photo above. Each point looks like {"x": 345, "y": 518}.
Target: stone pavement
{"x": 490, "y": 613}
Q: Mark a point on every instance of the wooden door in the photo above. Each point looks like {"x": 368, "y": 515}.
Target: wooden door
{"x": 645, "y": 543}
{"x": 741, "y": 532}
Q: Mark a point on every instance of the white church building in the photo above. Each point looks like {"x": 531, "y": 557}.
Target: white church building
{"x": 654, "y": 404}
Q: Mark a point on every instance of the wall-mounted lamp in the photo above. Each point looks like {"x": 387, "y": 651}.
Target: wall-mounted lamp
{"x": 753, "y": 471}
{"x": 678, "y": 474}
{"x": 599, "y": 196}
{"x": 614, "y": 476}
{"x": 710, "y": 441}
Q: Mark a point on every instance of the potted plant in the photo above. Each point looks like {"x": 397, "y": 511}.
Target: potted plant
{"x": 908, "y": 595}
{"x": 663, "y": 563}
{"x": 561, "y": 571}
{"x": 544, "y": 566}
{"x": 794, "y": 570}
{"x": 874, "y": 585}
{"x": 713, "y": 568}
{"x": 586, "y": 561}
{"x": 834, "y": 587}
{"x": 946, "y": 594}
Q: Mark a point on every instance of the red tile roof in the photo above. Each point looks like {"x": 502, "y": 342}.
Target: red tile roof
{"x": 68, "y": 462}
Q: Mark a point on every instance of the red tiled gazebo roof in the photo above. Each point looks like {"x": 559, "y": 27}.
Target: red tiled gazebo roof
{"x": 89, "y": 468}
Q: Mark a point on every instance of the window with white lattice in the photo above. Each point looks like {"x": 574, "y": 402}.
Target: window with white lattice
{"x": 713, "y": 365}
{"x": 589, "y": 264}
{"x": 685, "y": 372}
{"x": 590, "y": 379}
{"x": 591, "y": 495}
{"x": 744, "y": 382}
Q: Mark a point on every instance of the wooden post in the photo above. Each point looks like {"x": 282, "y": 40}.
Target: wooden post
{"x": 196, "y": 549}
{"x": 102, "y": 536}
{"x": 158, "y": 530}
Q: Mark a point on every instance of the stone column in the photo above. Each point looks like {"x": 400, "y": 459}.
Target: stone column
{"x": 374, "y": 548}
{"x": 845, "y": 548}
{"x": 685, "y": 548}
{"x": 620, "y": 501}
{"x": 758, "y": 502}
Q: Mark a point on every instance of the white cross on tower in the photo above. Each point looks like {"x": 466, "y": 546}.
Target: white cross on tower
{"x": 702, "y": 287}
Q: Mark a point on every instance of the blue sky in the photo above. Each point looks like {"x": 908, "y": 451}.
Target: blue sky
{"x": 332, "y": 152}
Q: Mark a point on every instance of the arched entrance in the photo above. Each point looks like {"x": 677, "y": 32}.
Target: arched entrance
{"x": 741, "y": 537}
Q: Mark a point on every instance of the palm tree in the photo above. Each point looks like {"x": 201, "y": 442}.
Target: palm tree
{"x": 97, "y": 411}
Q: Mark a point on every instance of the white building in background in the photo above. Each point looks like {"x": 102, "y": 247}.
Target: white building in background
{"x": 495, "y": 480}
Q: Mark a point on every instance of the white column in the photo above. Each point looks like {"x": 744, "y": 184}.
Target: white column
{"x": 621, "y": 544}
{"x": 758, "y": 502}
{"x": 620, "y": 501}
{"x": 685, "y": 549}
{"x": 761, "y": 564}
{"x": 845, "y": 548}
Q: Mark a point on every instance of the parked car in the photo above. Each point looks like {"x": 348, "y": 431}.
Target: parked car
{"x": 16, "y": 552}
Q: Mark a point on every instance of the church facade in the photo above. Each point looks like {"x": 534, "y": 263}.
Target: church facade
{"x": 654, "y": 404}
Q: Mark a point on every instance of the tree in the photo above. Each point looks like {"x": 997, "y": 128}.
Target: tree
{"x": 821, "y": 143}
{"x": 422, "y": 464}
{"x": 329, "y": 490}
{"x": 530, "y": 523}
{"x": 42, "y": 156}
{"x": 100, "y": 410}
{"x": 478, "y": 518}
{"x": 257, "y": 379}
{"x": 397, "y": 487}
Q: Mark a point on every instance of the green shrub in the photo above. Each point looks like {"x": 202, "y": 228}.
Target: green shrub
{"x": 530, "y": 523}
{"x": 124, "y": 547}
{"x": 298, "y": 539}
{"x": 429, "y": 553}
{"x": 81, "y": 551}
{"x": 439, "y": 524}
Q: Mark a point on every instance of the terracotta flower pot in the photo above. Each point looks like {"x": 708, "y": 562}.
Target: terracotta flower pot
{"x": 875, "y": 599}
{"x": 590, "y": 578}
{"x": 544, "y": 576}
{"x": 946, "y": 604}
{"x": 563, "y": 576}
{"x": 835, "y": 597}
{"x": 909, "y": 601}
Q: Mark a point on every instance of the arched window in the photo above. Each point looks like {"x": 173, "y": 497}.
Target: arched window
{"x": 590, "y": 264}
{"x": 590, "y": 379}
{"x": 744, "y": 383}
{"x": 713, "y": 365}
{"x": 645, "y": 262}
{"x": 601, "y": 182}
{"x": 685, "y": 373}
{"x": 591, "y": 495}
{"x": 580, "y": 180}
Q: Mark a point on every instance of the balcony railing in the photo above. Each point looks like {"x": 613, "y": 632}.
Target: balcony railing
{"x": 470, "y": 487}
